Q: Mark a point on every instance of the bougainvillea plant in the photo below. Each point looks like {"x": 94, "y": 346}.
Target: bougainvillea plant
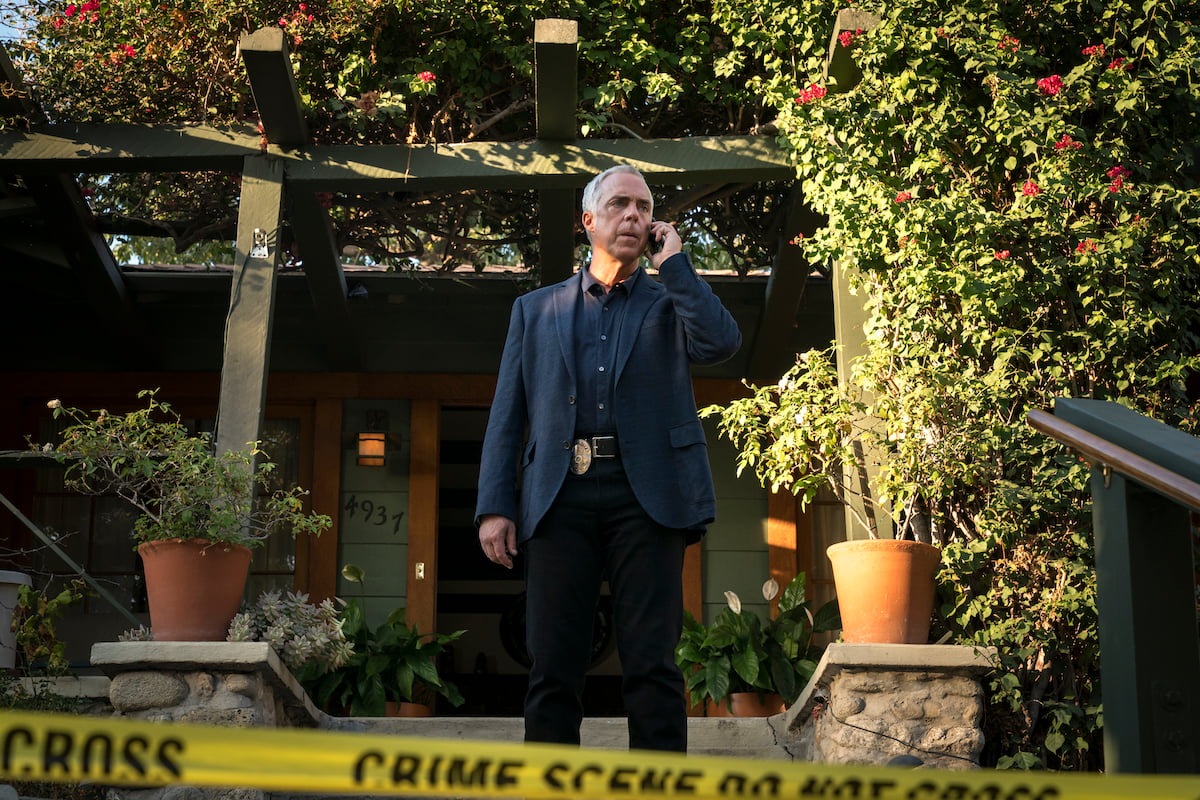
{"x": 1011, "y": 192}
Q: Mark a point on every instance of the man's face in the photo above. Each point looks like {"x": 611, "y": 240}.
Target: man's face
{"x": 621, "y": 221}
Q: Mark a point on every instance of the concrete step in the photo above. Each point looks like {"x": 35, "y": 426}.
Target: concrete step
{"x": 749, "y": 737}
{"x": 733, "y": 737}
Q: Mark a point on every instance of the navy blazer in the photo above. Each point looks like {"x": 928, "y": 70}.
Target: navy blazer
{"x": 667, "y": 327}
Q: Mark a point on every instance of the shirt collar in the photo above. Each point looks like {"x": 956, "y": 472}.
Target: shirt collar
{"x": 589, "y": 281}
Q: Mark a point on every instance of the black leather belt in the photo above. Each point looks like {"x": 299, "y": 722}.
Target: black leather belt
{"x": 589, "y": 447}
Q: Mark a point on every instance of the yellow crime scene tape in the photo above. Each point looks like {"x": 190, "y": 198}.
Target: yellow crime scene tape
{"x": 114, "y": 751}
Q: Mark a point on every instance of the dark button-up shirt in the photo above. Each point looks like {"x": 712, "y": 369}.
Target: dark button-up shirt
{"x": 598, "y": 316}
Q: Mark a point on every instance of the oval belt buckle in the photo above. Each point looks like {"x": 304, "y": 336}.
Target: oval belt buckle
{"x": 581, "y": 457}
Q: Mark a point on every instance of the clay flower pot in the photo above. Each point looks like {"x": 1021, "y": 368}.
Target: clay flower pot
{"x": 747, "y": 704}
{"x": 403, "y": 708}
{"x": 194, "y": 587}
{"x": 884, "y": 589}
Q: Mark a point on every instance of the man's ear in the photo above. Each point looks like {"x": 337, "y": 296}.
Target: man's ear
{"x": 589, "y": 221}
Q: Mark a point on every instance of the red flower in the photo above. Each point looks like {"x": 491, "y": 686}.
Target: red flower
{"x": 71, "y": 10}
{"x": 813, "y": 92}
{"x": 1065, "y": 142}
{"x": 1096, "y": 50}
{"x": 846, "y": 38}
{"x": 1118, "y": 172}
{"x": 426, "y": 77}
{"x": 1119, "y": 63}
{"x": 128, "y": 50}
{"x": 1031, "y": 189}
{"x": 57, "y": 22}
{"x": 91, "y": 5}
{"x": 1009, "y": 43}
{"x": 796, "y": 240}
{"x": 1051, "y": 85}
{"x": 1086, "y": 246}
{"x": 903, "y": 197}
{"x": 302, "y": 7}
{"x": 1001, "y": 254}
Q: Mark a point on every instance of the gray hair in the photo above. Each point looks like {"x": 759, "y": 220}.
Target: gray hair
{"x": 592, "y": 191}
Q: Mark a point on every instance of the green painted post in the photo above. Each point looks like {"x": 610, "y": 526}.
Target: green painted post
{"x": 251, "y": 305}
{"x": 1149, "y": 651}
{"x": 849, "y": 315}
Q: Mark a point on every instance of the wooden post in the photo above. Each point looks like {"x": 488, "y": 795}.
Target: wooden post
{"x": 421, "y": 602}
{"x": 848, "y": 312}
{"x": 251, "y": 306}
{"x": 555, "y": 60}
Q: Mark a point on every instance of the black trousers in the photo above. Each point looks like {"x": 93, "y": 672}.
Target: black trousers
{"x": 595, "y": 531}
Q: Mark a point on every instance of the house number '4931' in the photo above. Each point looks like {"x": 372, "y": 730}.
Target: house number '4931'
{"x": 372, "y": 513}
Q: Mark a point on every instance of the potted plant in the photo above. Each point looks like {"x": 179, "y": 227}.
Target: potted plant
{"x": 738, "y": 661}
{"x": 812, "y": 431}
{"x": 390, "y": 664}
{"x": 200, "y": 511}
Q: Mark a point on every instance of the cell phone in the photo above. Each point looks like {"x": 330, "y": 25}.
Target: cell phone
{"x": 653, "y": 244}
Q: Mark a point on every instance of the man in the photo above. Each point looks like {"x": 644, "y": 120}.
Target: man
{"x": 614, "y": 478}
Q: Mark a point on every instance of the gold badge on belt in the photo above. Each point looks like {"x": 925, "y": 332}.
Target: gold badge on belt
{"x": 581, "y": 457}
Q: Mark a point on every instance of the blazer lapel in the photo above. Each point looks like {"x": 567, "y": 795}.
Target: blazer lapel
{"x": 645, "y": 292}
{"x": 565, "y": 297}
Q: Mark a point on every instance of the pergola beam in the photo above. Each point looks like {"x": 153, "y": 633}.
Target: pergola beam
{"x": 282, "y": 114}
{"x": 273, "y": 84}
{"x": 556, "y": 66}
{"x": 313, "y": 234}
{"x": 772, "y": 349}
{"x": 536, "y": 165}
{"x": 59, "y": 200}
{"x": 126, "y": 147}
{"x": 88, "y": 253}
{"x": 115, "y": 148}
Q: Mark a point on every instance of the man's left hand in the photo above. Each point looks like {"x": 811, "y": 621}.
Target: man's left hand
{"x": 663, "y": 232}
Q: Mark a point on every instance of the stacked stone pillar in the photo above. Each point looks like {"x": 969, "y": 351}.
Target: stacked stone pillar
{"x": 880, "y": 704}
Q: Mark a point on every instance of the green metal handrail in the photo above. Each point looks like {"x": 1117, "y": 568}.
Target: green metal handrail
{"x": 1145, "y": 480}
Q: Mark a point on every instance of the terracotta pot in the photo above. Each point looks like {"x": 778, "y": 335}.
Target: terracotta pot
{"x": 403, "y": 709}
{"x": 746, "y": 704}
{"x": 194, "y": 588}
{"x": 884, "y": 589}
{"x": 750, "y": 704}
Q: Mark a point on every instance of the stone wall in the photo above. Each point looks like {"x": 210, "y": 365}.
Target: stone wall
{"x": 238, "y": 684}
{"x": 234, "y": 684}
{"x": 866, "y": 704}
{"x": 880, "y": 704}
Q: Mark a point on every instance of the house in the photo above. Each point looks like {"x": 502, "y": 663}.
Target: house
{"x": 307, "y": 358}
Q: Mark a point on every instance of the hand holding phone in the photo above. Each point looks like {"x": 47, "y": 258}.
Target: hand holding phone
{"x": 653, "y": 243}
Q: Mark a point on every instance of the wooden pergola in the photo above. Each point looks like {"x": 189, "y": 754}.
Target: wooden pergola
{"x": 281, "y": 181}
{"x": 46, "y": 221}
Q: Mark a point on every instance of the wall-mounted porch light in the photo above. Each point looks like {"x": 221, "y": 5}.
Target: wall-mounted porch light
{"x": 372, "y": 443}
{"x": 372, "y": 447}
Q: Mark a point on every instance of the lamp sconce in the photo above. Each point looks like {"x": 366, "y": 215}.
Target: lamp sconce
{"x": 372, "y": 448}
{"x": 372, "y": 444}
